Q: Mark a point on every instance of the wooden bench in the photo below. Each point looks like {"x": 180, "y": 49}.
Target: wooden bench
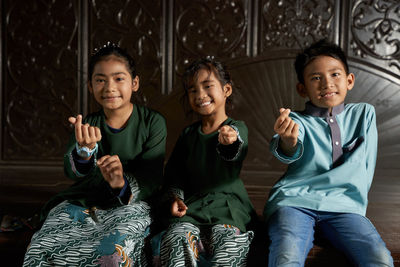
{"x": 383, "y": 211}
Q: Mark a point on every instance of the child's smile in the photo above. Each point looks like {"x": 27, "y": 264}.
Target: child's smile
{"x": 207, "y": 96}
{"x": 326, "y": 82}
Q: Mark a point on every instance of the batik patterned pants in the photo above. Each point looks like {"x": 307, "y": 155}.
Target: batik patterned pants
{"x": 220, "y": 245}
{"x": 75, "y": 236}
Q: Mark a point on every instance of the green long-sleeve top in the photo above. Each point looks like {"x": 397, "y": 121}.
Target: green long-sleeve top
{"x": 205, "y": 174}
{"x": 141, "y": 149}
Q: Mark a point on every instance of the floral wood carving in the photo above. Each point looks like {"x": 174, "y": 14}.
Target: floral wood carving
{"x": 295, "y": 23}
{"x": 215, "y": 28}
{"x": 376, "y": 31}
{"x": 40, "y": 77}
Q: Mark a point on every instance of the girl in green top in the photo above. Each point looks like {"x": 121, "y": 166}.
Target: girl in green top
{"x": 210, "y": 207}
{"x": 115, "y": 156}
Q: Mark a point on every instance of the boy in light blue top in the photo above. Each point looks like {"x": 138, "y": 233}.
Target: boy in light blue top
{"x": 330, "y": 149}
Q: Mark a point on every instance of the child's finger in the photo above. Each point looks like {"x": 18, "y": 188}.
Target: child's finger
{"x": 85, "y": 133}
{"x": 295, "y": 130}
{"x": 281, "y": 124}
{"x": 72, "y": 120}
{"x": 92, "y": 132}
{"x": 78, "y": 128}
{"x": 284, "y": 110}
{"x": 97, "y": 134}
{"x": 102, "y": 159}
{"x": 107, "y": 161}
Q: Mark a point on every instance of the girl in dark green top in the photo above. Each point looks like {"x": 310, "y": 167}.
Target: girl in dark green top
{"x": 210, "y": 206}
{"x": 115, "y": 157}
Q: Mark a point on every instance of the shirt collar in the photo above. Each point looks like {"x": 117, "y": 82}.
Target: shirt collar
{"x": 315, "y": 111}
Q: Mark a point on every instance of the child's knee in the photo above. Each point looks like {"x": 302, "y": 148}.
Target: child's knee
{"x": 377, "y": 255}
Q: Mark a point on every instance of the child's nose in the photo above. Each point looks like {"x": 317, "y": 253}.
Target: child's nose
{"x": 109, "y": 86}
{"x": 202, "y": 93}
{"x": 327, "y": 82}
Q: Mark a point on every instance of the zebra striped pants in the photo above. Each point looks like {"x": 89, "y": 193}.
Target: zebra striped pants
{"x": 220, "y": 245}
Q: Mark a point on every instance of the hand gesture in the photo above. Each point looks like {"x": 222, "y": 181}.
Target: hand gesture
{"x": 111, "y": 168}
{"x": 227, "y": 135}
{"x": 85, "y": 134}
{"x": 288, "y": 130}
{"x": 178, "y": 208}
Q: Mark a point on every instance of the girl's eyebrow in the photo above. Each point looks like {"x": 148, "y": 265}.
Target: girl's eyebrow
{"x": 206, "y": 81}
{"x": 112, "y": 74}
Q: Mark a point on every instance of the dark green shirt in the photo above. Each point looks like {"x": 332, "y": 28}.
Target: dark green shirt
{"x": 208, "y": 174}
{"x": 141, "y": 149}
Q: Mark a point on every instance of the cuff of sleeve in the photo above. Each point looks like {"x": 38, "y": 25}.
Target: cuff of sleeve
{"x": 274, "y": 148}
{"x": 175, "y": 192}
{"x": 123, "y": 189}
{"x": 231, "y": 152}
{"x": 79, "y": 166}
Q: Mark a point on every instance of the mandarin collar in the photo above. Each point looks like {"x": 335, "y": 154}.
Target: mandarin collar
{"x": 315, "y": 111}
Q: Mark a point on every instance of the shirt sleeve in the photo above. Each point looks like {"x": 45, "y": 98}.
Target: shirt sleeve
{"x": 371, "y": 143}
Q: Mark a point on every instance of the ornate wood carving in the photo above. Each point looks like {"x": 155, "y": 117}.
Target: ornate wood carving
{"x": 293, "y": 24}
{"x": 375, "y": 33}
{"x": 40, "y": 78}
{"x": 215, "y": 28}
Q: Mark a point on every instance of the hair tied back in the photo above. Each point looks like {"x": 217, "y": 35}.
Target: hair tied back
{"x": 107, "y": 45}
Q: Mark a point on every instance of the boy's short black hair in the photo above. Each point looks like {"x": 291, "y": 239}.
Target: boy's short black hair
{"x": 319, "y": 48}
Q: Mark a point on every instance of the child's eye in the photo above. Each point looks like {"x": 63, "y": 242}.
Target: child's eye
{"x": 335, "y": 74}
{"x": 315, "y": 78}
{"x": 119, "y": 79}
{"x": 99, "y": 80}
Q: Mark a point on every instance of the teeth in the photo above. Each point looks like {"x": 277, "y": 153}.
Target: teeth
{"x": 205, "y": 104}
{"x": 330, "y": 94}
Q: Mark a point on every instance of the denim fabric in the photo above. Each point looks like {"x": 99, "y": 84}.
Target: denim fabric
{"x": 291, "y": 231}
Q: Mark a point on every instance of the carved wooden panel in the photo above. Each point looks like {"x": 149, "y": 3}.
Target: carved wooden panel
{"x": 40, "y": 78}
{"x": 42, "y": 63}
{"x": 293, "y": 24}
{"x": 375, "y": 33}
{"x": 135, "y": 26}
{"x": 217, "y": 28}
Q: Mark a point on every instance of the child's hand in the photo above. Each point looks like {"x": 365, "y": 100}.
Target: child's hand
{"x": 85, "y": 134}
{"x": 227, "y": 135}
{"x": 111, "y": 168}
{"x": 288, "y": 130}
{"x": 178, "y": 208}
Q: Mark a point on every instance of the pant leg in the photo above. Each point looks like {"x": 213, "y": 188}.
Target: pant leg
{"x": 357, "y": 237}
{"x": 229, "y": 247}
{"x": 291, "y": 232}
{"x": 179, "y": 245}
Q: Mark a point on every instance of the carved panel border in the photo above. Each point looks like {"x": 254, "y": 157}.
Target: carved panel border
{"x": 375, "y": 33}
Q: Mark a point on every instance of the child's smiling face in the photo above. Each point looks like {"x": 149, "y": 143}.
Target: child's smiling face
{"x": 325, "y": 82}
{"x": 206, "y": 95}
{"x": 112, "y": 84}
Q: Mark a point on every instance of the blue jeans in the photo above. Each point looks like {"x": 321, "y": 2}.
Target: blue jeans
{"x": 291, "y": 231}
